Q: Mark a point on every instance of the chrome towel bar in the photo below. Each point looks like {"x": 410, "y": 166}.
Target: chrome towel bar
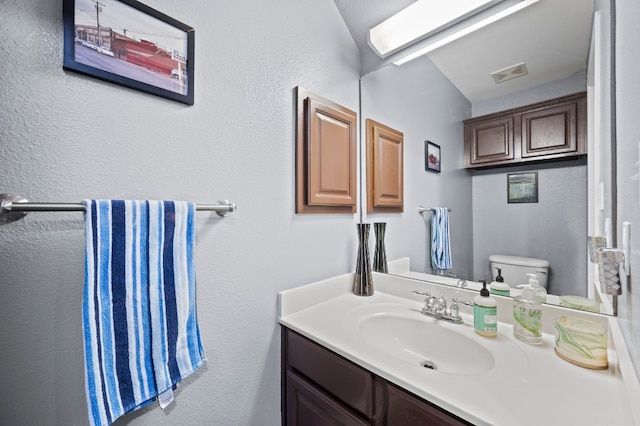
{"x": 427, "y": 209}
{"x": 14, "y": 207}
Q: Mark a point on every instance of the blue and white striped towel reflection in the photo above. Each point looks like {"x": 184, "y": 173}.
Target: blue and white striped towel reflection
{"x": 141, "y": 335}
{"x": 440, "y": 243}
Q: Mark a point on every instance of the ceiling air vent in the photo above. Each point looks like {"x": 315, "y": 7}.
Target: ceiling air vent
{"x": 510, "y": 73}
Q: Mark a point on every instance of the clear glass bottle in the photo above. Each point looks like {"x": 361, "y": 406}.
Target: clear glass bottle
{"x": 527, "y": 316}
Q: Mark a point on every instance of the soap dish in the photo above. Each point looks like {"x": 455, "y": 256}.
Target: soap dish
{"x": 582, "y": 303}
{"x": 581, "y": 342}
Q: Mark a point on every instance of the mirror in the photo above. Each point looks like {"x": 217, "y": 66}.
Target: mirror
{"x": 428, "y": 98}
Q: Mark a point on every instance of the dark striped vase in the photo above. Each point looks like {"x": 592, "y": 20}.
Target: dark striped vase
{"x": 380, "y": 254}
{"x": 362, "y": 281}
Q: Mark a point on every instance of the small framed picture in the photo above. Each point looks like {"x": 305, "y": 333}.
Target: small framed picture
{"x": 522, "y": 187}
{"x": 130, "y": 44}
{"x": 432, "y": 156}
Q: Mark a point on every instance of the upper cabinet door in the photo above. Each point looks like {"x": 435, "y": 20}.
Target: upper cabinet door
{"x": 385, "y": 168}
{"x": 556, "y": 130}
{"x": 326, "y": 155}
{"x": 489, "y": 141}
{"x": 332, "y": 147}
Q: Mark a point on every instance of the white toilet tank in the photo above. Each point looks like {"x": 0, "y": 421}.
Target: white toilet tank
{"x": 515, "y": 269}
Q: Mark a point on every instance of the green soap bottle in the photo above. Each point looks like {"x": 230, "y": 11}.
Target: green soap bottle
{"x": 499, "y": 287}
{"x": 485, "y": 313}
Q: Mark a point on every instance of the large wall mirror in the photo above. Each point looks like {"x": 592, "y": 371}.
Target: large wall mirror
{"x": 567, "y": 47}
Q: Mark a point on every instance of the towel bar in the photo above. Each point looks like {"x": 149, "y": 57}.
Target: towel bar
{"x": 427, "y": 209}
{"x": 14, "y": 207}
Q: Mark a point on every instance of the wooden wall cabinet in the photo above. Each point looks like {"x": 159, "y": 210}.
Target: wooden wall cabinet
{"x": 543, "y": 131}
{"x": 326, "y": 155}
{"x": 319, "y": 387}
{"x": 385, "y": 168}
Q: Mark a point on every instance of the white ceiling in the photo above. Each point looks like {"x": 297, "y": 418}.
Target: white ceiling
{"x": 552, "y": 37}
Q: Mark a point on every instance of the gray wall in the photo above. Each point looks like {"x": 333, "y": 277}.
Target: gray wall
{"x": 65, "y": 137}
{"x": 417, "y": 100}
{"x": 553, "y": 229}
{"x": 628, "y": 153}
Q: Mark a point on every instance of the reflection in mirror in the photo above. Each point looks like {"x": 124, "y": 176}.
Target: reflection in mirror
{"x": 429, "y": 97}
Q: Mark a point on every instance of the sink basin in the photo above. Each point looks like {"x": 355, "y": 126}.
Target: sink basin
{"x": 425, "y": 342}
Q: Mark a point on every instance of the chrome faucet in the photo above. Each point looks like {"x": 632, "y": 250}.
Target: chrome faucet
{"x": 436, "y": 307}
{"x": 462, "y": 283}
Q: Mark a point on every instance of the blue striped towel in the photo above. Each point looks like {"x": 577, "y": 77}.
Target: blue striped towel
{"x": 440, "y": 243}
{"x": 141, "y": 335}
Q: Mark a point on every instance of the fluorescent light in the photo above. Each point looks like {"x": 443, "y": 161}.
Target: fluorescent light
{"x": 468, "y": 30}
{"x": 417, "y": 20}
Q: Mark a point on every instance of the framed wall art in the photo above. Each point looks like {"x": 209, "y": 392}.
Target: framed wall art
{"x": 432, "y": 156}
{"x": 130, "y": 44}
{"x": 522, "y": 187}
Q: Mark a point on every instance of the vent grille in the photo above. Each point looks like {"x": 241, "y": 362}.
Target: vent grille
{"x": 510, "y": 73}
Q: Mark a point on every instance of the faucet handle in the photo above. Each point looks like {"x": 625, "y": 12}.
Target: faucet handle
{"x": 454, "y": 311}
{"x": 441, "y": 304}
{"x": 462, "y": 302}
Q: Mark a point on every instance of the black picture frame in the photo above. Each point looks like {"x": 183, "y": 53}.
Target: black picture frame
{"x": 432, "y": 157}
{"x": 522, "y": 187}
{"x": 134, "y": 46}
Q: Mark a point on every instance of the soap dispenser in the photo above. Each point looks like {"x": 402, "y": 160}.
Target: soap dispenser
{"x": 527, "y": 316}
{"x": 498, "y": 286}
{"x": 485, "y": 313}
{"x": 539, "y": 292}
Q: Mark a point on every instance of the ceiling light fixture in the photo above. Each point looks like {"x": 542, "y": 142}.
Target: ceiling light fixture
{"x": 467, "y": 30}
{"x": 418, "y": 20}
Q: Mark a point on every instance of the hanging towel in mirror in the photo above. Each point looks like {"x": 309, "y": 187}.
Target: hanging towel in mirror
{"x": 141, "y": 335}
{"x": 440, "y": 244}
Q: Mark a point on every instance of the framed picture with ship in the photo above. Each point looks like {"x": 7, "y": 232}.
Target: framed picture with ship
{"x": 432, "y": 156}
{"x": 130, "y": 44}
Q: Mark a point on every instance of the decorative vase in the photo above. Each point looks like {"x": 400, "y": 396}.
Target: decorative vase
{"x": 362, "y": 282}
{"x": 380, "y": 255}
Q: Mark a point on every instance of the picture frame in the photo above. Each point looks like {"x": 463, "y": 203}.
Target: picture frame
{"x": 128, "y": 43}
{"x": 432, "y": 157}
{"x": 522, "y": 187}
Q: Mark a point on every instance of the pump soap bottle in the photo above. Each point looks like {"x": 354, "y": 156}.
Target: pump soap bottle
{"x": 527, "y": 316}
{"x": 499, "y": 287}
{"x": 485, "y": 313}
{"x": 539, "y": 292}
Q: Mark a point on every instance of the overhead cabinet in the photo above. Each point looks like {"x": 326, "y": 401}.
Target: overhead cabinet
{"x": 543, "y": 131}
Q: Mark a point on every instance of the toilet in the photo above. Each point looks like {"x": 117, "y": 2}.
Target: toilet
{"x": 515, "y": 269}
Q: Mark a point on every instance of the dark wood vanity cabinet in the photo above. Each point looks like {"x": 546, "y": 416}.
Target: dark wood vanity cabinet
{"x": 543, "y": 131}
{"x": 319, "y": 387}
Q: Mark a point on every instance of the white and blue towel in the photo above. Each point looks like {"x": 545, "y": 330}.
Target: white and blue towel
{"x": 440, "y": 242}
{"x": 141, "y": 335}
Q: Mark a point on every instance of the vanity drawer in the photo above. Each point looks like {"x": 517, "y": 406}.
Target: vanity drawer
{"x": 334, "y": 374}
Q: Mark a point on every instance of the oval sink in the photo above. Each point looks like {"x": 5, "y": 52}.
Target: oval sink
{"x": 425, "y": 341}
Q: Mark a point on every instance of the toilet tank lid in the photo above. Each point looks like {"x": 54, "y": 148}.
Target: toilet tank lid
{"x": 519, "y": 260}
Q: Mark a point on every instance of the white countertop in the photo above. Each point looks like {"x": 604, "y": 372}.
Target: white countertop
{"x": 527, "y": 385}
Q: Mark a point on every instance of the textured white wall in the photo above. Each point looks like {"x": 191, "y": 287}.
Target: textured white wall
{"x": 65, "y": 137}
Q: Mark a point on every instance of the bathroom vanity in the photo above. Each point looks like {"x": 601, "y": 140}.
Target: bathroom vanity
{"x": 378, "y": 360}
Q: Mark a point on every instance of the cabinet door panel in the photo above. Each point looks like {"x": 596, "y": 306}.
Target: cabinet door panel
{"x": 385, "y": 168}
{"x": 339, "y": 377}
{"x": 549, "y": 131}
{"x": 491, "y": 141}
{"x": 307, "y": 406}
{"x": 407, "y": 410}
